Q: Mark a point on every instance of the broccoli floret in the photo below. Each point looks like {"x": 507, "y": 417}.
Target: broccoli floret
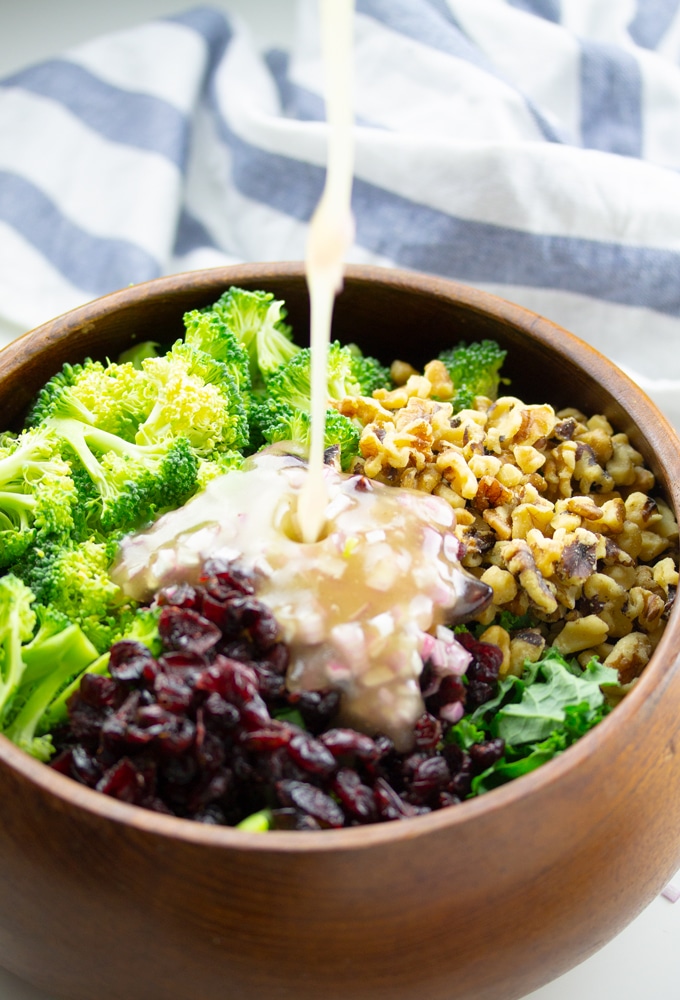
{"x": 257, "y": 320}
{"x": 280, "y": 421}
{"x": 292, "y": 382}
{"x": 115, "y": 397}
{"x": 50, "y": 622}
{"x": 198, "y": 397}
{"x": 72, "y": 580}
{"x": 58, "y": 653}
{"x": 474, "y": 370}
{"x": 37, "y": 493}
{"x": 349, "y": 373}
{"x": 134, "y": 483}
{"x": 51, "y": 391}
{"x": 369, "y": 373}
{"x": 285, "y": 412}
{"x": 17, "y": 622}
{"x": 185, "y": 393}
{"x": 13, "y": 543}
{"x": 206, "y": 331}
{"x": 222, "y": 463}
{"x": 141, "y": 626}
{"x": 138, "y": 353}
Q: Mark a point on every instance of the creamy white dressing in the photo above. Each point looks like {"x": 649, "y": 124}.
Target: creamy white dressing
{"x": 330, "y": 235}
{"x": 359, "y": 607}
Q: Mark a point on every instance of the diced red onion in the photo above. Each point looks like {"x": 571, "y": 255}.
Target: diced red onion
{"x": 672, "y": 891}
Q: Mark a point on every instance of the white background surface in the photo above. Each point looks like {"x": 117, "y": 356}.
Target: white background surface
{"x": 644, "y": 961}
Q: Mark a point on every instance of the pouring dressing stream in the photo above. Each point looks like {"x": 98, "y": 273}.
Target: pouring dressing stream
{"x": 330, "y": 235}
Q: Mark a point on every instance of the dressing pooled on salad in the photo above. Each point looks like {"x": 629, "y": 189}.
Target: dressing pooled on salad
{"x": 361, "y": 609}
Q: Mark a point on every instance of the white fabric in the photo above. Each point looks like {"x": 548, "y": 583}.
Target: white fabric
{"x": 528, "y": 147}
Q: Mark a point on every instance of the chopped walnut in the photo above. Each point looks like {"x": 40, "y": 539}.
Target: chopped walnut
{"x": 440, "y": 380}
{"x": 555, "y": 511}
{"x": 401, "y": 371}
{"x": 629, "y": 655}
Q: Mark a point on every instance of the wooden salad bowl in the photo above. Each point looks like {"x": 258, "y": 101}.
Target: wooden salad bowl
{"x": 487, "y": 900}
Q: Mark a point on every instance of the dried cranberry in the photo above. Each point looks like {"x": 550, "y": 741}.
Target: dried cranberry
{"x": 449, "y": 690}
{"x": 180, "y": 595}
{"x": 192, "y": 731}
{"x": 179, "y": 770}
{"x": 486, "y": 658}
{"x": 271, "y": 686}
{"x": 430, "y": 777}
{"x": 446, "y": 799}
{"x": 410, "y": 763}
{"x": 317, "y": 708}
{"x": 178, "y": 660}
{"x": 275, "y": 765}
{"x": 462, "y": 780}
{"x": 236, "y": 682}
{"x": 389, "y": 803}
{"x": 122, "y": 781}
{"x": 186, "y": 630}
{"x": 238, "y": 614}
{"x": 482, "y": 672}
{"x": 63, "y": 762}
{"x": 221, "y": 713}
{"x": 264, "y": 630}
{"x": 427, "y": 732}
{"x": 270, "y": 737}
{"x": 276, "y": 658}
{"x": 254, "y": 713}
{"x": 128, "y": 661}
{"x": 356, "y": 798}
{"x": 153, "y": 716}
{"x": 86, "y": 768}
{"x": 218, "y": 571}
{"x": 454, "y": 755}
{"x": 99, "y": 691}
{"x": 311, "y": 801}
{"x": 348, "y": 743}
{"x": 217, "y": 611}
{"x": 85, "y": 722}
{"x": 385, "y": 763}
{"x": 485, "y": 754}
{"x": 173, "y": 692}
{"x": 237, "y": 649}
{"x": 311, "y": 755}
{"x": 176, "y": 737}
{"x": 114, "y": 727}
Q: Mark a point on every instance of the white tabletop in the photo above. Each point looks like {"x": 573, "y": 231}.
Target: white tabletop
{"x": 644, "y": 960}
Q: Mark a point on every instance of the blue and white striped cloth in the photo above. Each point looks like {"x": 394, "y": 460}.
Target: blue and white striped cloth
{"x": 528, "y": 147}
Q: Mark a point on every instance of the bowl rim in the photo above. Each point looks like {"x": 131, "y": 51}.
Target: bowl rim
{"x": 651, "y": 683}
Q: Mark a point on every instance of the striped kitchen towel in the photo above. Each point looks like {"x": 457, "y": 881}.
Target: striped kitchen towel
{"x": 528, "y": 147}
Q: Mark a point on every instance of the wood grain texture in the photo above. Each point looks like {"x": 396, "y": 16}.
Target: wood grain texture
{"x": 484, "y": 901}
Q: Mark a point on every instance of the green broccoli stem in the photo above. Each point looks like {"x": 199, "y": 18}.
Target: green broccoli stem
{"x": 84, "y": 440}
{"x": 56, "y": 711}
{"x": 258, "y": 822}
{"x": 19, "y": 504}
{"x": 12, "y": 664}
{"x": 64, "y": 661}
{"x": 83, "y": 437}
{"x": 41, "y": 655}
{"x": 27, "y": 458}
